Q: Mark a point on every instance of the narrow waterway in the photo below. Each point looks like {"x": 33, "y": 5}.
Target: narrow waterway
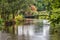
{"x": 37, "y": 31}
{"x": 34, "y": 31}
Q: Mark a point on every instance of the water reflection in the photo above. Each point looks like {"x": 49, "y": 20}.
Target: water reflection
{"x": 36, "y": 31}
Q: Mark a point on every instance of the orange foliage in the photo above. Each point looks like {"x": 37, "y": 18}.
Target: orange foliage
{"x": 33, "y": 8}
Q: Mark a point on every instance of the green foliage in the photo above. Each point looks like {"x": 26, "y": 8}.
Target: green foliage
{"x": 8, "y": 7}
{"x": 54, "y": 9}
{"x": 53, "y": 6}
{"x": 55, "y": 17}
{"x": 40, "y": 5}
{"x": 19, "y": 19}
{"x": 1, "y": 23}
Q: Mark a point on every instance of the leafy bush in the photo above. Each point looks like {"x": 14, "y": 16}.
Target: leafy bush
{"x": 19, "y": 19}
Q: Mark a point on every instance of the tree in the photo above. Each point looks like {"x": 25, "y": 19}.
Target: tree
{"x": 41, "y": 5}
{"x": 54, "y": 10}
{"x": 8, "y": 7}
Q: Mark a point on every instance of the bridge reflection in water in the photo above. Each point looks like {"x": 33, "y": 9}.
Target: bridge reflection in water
{"x": 35, "y": 30}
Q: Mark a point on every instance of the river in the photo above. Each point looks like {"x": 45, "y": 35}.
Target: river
{"x": 30, "y": 32}
{"x": 35, "y": 32}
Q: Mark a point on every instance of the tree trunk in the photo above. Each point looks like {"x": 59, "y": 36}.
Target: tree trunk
{"x": 13, "y": 24}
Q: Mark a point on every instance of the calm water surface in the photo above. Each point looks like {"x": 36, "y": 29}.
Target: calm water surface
{"x": 29, "y": 32}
